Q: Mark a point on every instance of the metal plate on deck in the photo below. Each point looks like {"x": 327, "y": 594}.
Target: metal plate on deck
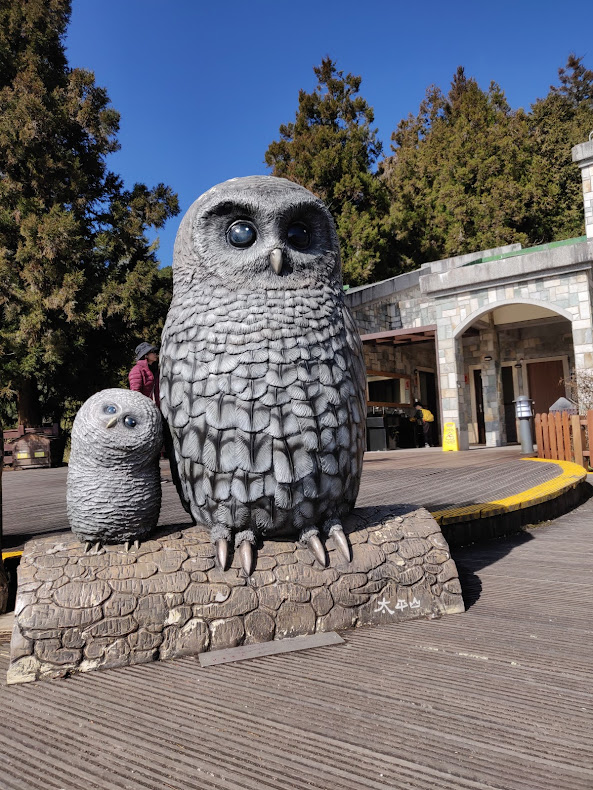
{"x": 268, "y": 648}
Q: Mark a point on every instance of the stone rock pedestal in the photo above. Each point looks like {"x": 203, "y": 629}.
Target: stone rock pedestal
{"x": 76, "y": 612}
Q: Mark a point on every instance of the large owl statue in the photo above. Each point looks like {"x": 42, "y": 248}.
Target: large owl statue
{"x": 262, "y": 375}
{"x": 114, "y": 487}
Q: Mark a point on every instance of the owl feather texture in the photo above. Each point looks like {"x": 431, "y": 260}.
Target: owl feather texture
{"x": 113, "y": 487}
{"x": 263, "y": 382}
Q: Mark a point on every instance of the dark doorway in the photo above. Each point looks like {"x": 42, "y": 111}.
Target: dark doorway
{"x": 480, "y": 406}
{"x": 428, "y": 397}
{"x": 546, "y": 384}
{"x": 508, "y": 396}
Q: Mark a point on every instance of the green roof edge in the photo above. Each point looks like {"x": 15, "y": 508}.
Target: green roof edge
{"x": 540, "y": 247}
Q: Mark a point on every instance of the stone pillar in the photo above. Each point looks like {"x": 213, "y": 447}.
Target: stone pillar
{"x": 583, "y": 155}
{"x": 452, "y": 386}
{"x": 582, "y": 338}
{"x": 492, "y": 388}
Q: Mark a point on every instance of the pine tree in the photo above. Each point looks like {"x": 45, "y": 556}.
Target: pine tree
{"x": 459, "y": 173}
{"x": 560, "y": 121}
{"x": 469, "y": 173}
{"x": 72, "y": 239}
{"x": 331, "y": 149}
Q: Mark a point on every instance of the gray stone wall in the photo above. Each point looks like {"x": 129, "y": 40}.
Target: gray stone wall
{"x": 415, "y": 309}
{"x": 535, "y": 342}
{"x": 77, "y": 612}
{"x": 378, "y": 317}
{"x": 381, "y": 357}
{"x": 405, "y": 360}
{"x": 400, "y": 359}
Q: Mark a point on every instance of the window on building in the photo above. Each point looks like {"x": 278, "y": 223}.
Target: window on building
{"x": 388, "y": 389}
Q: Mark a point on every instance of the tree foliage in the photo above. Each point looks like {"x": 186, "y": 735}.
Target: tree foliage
{"x": 79, "y": 280}
{"x": 470, "y": 173}
{"x": 467, "y": 172}
{"x": 559, "y": 121}
{"x": 331, "y": 149}
{"x": 459, "y": 175}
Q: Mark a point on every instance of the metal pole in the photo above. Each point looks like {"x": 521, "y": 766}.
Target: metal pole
{"x": 525, "y": 435}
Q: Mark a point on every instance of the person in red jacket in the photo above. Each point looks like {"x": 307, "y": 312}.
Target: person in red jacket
{"x": 144, "y": 376}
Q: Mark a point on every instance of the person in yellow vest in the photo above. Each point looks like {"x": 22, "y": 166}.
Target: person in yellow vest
{"x": 424, "y": 419}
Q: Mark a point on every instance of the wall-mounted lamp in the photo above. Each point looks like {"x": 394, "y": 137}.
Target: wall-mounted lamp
{"x": 519, "y": 364}
{"x": 487, "y": 358}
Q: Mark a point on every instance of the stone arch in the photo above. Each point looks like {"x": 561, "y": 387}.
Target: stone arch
{"x": 487, "y": 308}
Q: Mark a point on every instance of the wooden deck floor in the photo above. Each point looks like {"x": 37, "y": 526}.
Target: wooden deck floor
{"x": 498, "y": 698}
{"x": 34, "y": 501}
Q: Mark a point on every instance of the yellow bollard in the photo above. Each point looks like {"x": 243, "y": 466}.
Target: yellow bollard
{"x": 450, "y": 441}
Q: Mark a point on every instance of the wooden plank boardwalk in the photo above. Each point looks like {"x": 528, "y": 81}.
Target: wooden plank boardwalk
{"x": 498, "y": 698}
{"x": 35, "y": 499}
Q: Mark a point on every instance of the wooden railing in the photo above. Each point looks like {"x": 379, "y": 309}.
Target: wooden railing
{"x": 564, "y": 437}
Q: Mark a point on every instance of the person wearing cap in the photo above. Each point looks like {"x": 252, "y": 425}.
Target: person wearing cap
{"x": 424, "y": 419}
{"x": 144, "y": 376}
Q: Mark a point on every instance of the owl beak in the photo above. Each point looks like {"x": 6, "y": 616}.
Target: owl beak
{"x": 276, "y": 260}
{"x": 112, "y": 421}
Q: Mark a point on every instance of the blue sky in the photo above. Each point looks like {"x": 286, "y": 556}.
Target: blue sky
{"x": 202, "y": 87}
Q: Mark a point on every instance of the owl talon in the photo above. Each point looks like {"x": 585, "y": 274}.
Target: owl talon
{"x": 98, "y": 547}
{"x": 222, "y": 552}
{"x": 136, "y": 544}
{"x": 341, "y": 542}
{"x": 316, "y": 548}
{"x": 246, "y": 557}
{"x": 127, "y": 545}
{"x": 87, "y": 546}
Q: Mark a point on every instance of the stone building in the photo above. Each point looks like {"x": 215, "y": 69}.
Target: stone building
{"x": 467, "y": 335}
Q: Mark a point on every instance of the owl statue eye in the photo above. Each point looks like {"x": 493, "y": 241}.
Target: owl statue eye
{"x": 129, "y": 422}
{"x": 110, "y": 409}
{"x": 298, "y": 236}
{"x": 242, "y": 234}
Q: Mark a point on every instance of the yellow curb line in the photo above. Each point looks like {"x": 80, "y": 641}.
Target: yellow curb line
{"x": 7, "y": 554}
{"x": 572, "y": 475}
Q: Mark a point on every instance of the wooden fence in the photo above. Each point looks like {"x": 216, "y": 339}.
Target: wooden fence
{"x": 564, "y": 437}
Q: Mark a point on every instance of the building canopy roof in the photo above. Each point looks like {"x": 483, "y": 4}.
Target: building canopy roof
{"x": 400, "y": 337}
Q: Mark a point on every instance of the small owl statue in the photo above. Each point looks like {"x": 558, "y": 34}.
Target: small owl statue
{"x": 262, "y": 376}
{"x": 114, "y": 489}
